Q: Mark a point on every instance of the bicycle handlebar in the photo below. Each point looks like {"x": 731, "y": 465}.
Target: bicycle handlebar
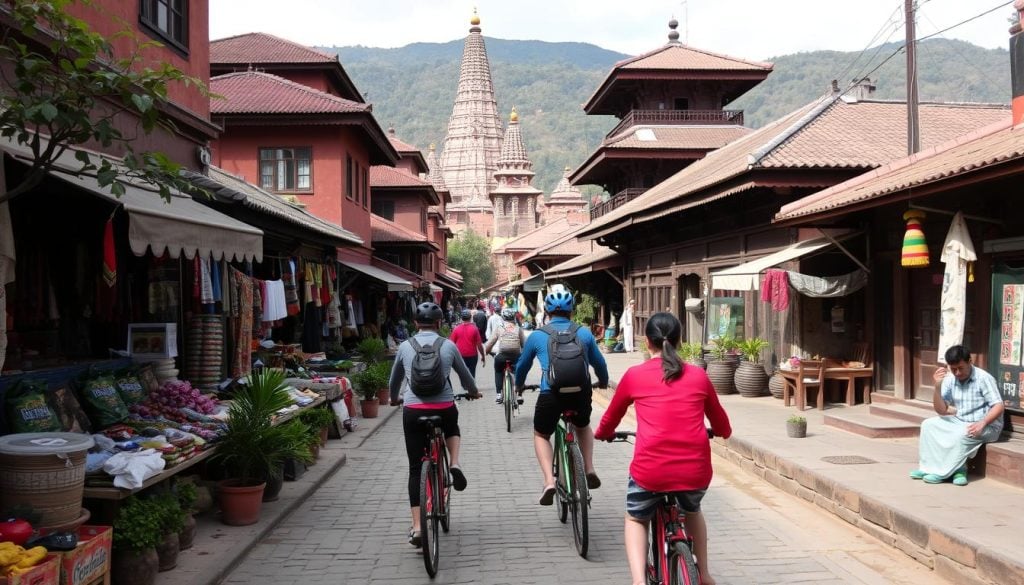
{"x": 622, "y": 436}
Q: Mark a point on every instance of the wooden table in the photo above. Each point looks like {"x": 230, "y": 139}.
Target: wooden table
{"x": 840, "y": 374}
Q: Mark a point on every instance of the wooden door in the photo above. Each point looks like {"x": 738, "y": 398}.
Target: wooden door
{"x": 925, "y": 298}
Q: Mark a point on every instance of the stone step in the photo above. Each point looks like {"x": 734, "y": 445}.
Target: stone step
{"x": 1003, "y": 461}
{"x": 901, "y": 411}
{"x": 880, "y": 398}
{"x": 864, "y": 423}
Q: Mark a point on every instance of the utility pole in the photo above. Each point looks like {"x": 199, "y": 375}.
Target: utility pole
{"x": 913, "y": 125}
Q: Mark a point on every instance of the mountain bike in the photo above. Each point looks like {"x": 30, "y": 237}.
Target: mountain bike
{"x": 571, "y": 492}
{"x": 511, "y": 399}
{"x": 435, "y": 490}
{"x": 669, "y": 548}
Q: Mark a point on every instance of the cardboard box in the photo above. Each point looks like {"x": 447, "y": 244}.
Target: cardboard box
{"x": 91, "y": 558}
{"x": 45, "y": 573}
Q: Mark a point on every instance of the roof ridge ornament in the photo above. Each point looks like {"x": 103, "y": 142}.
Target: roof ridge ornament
{"x": 673, "y": 34}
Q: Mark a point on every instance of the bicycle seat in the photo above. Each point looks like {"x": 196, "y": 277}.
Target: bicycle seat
{"x": 432, "y": 420}
{"x": 568, "y": 414}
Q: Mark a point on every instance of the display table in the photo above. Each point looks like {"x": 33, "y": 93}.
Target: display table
{"x": 848, "y": 376}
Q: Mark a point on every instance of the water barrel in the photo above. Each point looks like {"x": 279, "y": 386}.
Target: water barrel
{"x": 45, "y": 472}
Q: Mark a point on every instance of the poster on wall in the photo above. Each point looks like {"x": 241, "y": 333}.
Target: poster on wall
{"x": 1007, "y": 332}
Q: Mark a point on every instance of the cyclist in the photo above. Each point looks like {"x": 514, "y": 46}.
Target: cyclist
{"x": 558, "y": 306}
{"x": 428, "y": 319}
{"x": 672, "y": 452}
{"x": 507, "y": 351}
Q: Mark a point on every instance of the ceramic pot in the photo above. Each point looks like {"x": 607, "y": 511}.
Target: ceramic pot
{"x": 776, "y": 384}
{"x": 699, "y": 362}
{"x": 167, "y": 552}
{"x": 722, "y": 375}
{"x": 187, "y": 536}
{"x": 384, "y": 397}
{"x": 134, "y": 567}
{"x": 751, "y": 379}
{"x": 274, "y": 484}
{"x": 240, "y": 504}
{"x": 369, "y": 408}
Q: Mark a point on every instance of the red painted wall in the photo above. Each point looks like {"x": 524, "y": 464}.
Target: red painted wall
{"x": 237, "y": 151}
{"x": 315, "y": 79}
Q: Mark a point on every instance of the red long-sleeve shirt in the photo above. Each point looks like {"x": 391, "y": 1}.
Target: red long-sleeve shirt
{"x": 672, "y": 451}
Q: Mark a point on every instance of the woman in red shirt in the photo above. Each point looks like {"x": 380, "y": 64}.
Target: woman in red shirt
{"x": 672, "y": 452}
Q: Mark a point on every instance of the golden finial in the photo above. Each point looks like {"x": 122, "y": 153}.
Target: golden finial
{"x": 567, "y": 169}
{"x": 514, "y": 116}
{"x": 432, "y": 146}
{"x": 475, "y": 20}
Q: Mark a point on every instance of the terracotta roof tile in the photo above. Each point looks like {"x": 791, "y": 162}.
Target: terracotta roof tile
{"x": 252, "y": 92}
{"x": 818, "y": 135}
{"x": 384, "y": 176}
{"x": 401, "y": 146}
{"x": 386, "y": 231}
{"x": 581, "y": 263}
{"x": 675, "y": 137}
{"x": 679, "y": 56}
{"x": 260, "y": 47}
{"x": 566, "y": 244}
{"x": 541, "y": 236}
{"x": 994, "y": 144}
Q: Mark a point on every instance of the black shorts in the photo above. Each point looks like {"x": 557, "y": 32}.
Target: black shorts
{"x": 551, "y": 406}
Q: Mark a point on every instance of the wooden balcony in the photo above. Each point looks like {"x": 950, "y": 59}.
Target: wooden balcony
{"x": 679, "y": 118}
{"x": 618, "y": 200}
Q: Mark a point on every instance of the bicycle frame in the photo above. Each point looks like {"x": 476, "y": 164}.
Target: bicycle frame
{"x": 435, "y": 494}
{"x": 667, "y": 528}
{"x": 571, "y": 490}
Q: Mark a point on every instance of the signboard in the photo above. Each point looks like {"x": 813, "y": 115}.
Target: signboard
{"x": 1006, "y": 338}
{"x": 153, "y": 340}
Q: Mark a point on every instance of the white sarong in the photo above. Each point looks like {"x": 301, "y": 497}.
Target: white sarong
{"x": 945, "y": 446}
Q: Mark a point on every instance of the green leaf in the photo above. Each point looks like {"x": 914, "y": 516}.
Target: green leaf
{"x": 143, "y": 103}
{"x": 106, "y": 176}
{"x": 117, "y": 188}
{"x": 48, "y": 111}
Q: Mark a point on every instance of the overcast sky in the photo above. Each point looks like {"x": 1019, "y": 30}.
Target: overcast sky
{"x": 752, "y": 29}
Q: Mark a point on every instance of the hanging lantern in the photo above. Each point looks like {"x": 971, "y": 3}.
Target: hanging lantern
{"x": 915, "y": 249}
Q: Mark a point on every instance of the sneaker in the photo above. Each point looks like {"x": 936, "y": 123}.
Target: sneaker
{"x": 547, "y": 497}
{"x": 960, "y": 477}
{"x": 497, "y": 399}
{"x": 917, "y": 474}
{"x": 458, "y": 479}
{"x": 415, "y": 538}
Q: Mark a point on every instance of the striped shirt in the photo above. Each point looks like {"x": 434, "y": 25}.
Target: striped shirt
{"x": 974, "y": 397}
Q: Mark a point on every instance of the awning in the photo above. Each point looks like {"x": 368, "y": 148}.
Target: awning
{"x": 601, "y": 259}
{"x": 534, "y": 283}
{"x": 747, "y": 276}
{"x": 395, "y": 283}
{"x": 180, "y": 226}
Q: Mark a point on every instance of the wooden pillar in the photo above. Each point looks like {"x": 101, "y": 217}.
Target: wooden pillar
{"x": 901, "y": 358}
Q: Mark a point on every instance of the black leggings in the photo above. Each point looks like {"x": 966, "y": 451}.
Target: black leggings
{"x": 416, "y": 441}
{"x": 499, "y": 369}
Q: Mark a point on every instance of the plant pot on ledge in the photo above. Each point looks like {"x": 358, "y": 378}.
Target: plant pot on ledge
{"x": 370, "y": 408}
{"x": 796, "y": 427}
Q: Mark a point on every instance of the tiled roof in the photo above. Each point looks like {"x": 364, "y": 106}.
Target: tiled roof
{"x": 399, "y": 145}
{"x": 566, "y": 244}
{"x": 830, "y": 132}
{"x": 260, "y": 47}
{"x": 582, "y": 263}
{"x": 384, "y": 176}
{"x": 386, "y": 231}
{"x": 230, "y": 187}
{"x": 676, "y": 137}
{"x": 679, "y": 56}
{"x": 992, "y": 145}
{"x": 253, "y": 92}
{"x": 541, "y": 236}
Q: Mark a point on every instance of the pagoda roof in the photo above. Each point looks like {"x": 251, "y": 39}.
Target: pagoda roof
{"x": 539, "y": 237}
{"x": 384, "y": 231}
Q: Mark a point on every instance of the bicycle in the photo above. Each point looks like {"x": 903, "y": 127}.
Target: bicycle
{"x": 435, "y": 490}
{"x": 571, "y": 491}
{"x": 510, "y": 398}
{"x": 669, "y": 548}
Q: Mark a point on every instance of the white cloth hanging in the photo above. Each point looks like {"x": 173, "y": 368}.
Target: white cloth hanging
{"x": 957, "y": 251}
{"x": 275, "y": 306}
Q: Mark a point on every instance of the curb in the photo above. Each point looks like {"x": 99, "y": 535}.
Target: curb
{"x": 949, "y": 555}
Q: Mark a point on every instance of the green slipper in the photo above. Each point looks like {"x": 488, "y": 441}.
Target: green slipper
{"x": 960, "y": 477}
{"x": 932, "y": 478}
{"x": 917, "y": 474}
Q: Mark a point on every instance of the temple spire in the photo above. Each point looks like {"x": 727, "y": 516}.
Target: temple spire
{"x": 515, "y": 199}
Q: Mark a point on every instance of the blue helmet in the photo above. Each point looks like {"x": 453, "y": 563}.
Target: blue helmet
{"x": 559, "y": 300}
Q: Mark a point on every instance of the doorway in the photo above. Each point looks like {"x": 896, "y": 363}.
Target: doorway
{"x": 692, "y": 320}
{"x": 925, "y": 317}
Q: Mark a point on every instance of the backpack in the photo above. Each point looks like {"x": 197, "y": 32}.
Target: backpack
{"x": 426, "y": 377}
{"x": 568, "y": 368}
{"x": 509, "y": 342}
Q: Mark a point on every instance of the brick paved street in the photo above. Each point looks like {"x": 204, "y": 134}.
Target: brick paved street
{"x": 353, "y": 529}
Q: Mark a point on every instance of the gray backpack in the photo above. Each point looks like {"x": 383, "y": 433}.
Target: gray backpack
{"x": 426, "y": 377}
{"x": 568, "y": 368}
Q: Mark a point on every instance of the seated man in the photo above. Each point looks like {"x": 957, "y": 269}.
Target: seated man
{"x": 970, "y": 412}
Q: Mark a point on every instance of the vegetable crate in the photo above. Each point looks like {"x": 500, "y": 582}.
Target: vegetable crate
{"x": 45, "y": 573}
{"x": 90, "y": 561}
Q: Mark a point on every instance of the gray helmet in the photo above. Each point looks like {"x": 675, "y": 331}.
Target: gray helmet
{"x": 428, "y": 313}
{"x": 508, "y": 313}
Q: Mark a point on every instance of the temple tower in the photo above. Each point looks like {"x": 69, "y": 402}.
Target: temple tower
{"x": 472, "y": 144}
{"x": 565, "y": 201}
{"x": 514, "y": 199}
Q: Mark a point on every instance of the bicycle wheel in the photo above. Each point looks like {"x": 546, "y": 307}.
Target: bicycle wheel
{"x": 561, "y": 508}
{"x": 681, "y": 566}
{"x": 655, "y": 529}
{"x": 506, "y": 394}
{"x": 445, "y": 492}
{"x": 579, "y": 501}
{"x": 428, "y": 517}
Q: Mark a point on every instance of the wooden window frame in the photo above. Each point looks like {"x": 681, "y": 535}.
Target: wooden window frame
{"x": 273, "y": 149}
{"x": 149, "y": 13}
{"x": 349, "y": 192}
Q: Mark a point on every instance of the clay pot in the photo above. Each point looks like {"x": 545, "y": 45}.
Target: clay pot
{"x": 134, "y": 567}
{"x": 167, "y": 552}
{"x": 751, "y": 379}
{"x": 722, "y": 375}
{"x": 187, "y": 536}
{"x": 776, "y": 384}
{"x": 369, "y": 408}
{"x": 383, "y": 397}
{"x": 240, "y": 505}
{"x": 324, "y": 433}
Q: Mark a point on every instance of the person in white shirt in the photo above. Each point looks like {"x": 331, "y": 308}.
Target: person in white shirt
{"x": 627, "y": 325}
{"x": 494, "y": 322}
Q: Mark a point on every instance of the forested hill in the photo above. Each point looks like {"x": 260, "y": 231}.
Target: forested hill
{"x": 413, "y": 88}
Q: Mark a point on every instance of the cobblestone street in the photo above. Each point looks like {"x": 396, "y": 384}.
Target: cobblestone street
{"x": 353, "y": 530}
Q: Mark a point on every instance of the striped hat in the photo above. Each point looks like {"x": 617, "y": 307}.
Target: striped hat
{"x": 915, "y": 249}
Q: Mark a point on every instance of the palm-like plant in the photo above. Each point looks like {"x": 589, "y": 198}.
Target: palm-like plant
{"x": 721, "y": 346}
{"x": 372, "y": 349}
{"x": 752, "y": 348}
{"x": 253, "y": 448}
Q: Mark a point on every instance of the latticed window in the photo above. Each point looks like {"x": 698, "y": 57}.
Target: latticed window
{"x": 286, "y": 169}
{"x": 168, "y": 19}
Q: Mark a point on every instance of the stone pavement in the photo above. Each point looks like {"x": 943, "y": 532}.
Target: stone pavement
{"x": 966, "y": 534}
{"x": 346, "y": 524}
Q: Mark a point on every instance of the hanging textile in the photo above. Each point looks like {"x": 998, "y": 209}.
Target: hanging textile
{"x": 291, "y": 292}
{"x": 311, "y": 329}
{"x": 827, "y": 286}
{"x": 775, "y": 289}
{"x": 274, "y": 306}
{"x": 205, "y": 282}
{"x": 7, "y": 264}
{"x": 334, "y": 312}
{"x": 215, "y": 281}
{"x": 106, "y": 284}
{"x": 241, "y": 361}
{"x": 957, "y": 254}
{"x": 915, "y": 248}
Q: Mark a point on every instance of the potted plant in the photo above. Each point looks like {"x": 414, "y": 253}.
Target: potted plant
{"x": 172, "y": 520}
{"x": 372, "y": 349}
{"x": 692, "y": 353}
{"x": 722, "y": 367}
{"x": 382, "y": 374}
{"x": 253, "y": 449}
{"x": 187, "y": 494}
{"x": 137, "y": 532}
{"x": 319, "y": 421}
{"x": 796, "y": 426}
{"x": 365, "y": 383}
{"x": 751, "y": 379}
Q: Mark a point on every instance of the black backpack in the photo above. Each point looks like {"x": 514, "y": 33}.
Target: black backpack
{"x": 568, "y": 368}
{"x": 427, "y": 375}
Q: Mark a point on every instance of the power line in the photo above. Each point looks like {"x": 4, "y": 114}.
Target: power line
{"x": 890, "y": 22}
{"x": 960, "y": 54}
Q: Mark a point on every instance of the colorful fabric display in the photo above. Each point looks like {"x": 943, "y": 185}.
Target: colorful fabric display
{"x": 915, "y": 248}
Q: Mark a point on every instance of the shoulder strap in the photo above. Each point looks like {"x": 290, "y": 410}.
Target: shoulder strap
{"x": 415, "y": 344}
{"x": 437, "y": 344}
{"x": 548, "y": 329}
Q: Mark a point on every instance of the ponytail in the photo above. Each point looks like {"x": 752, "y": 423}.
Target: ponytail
{"x": 663, "y": 331}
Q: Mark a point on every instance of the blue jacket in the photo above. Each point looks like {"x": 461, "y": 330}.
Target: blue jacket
{"x": 537, "y": 346}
